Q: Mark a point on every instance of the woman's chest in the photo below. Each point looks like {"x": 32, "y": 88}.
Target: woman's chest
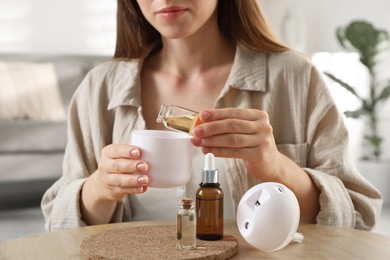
{"x": 195, "y": 96}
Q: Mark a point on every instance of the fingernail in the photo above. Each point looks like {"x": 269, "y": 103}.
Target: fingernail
{"x": 199, "y": 131}
{"x": 205, "y": 116}
{"x": 141, "y": 167}
{"x": 206, "y": 150}
{"x": 196, "y": 141}
{"x": 135, "y": 153}
{"x": 143, "y": 179}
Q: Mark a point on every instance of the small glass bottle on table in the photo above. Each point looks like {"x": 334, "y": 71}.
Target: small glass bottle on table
{"x": 186, "y": 224}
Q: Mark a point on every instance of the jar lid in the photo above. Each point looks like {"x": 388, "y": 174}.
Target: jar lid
{"x": 186, "y": 203}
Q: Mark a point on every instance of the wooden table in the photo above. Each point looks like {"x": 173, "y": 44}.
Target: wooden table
{"x": 320, "y": 242}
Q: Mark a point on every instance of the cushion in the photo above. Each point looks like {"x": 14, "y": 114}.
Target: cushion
{"x": 29, "y": 91}
{"x": 28, "y": 136}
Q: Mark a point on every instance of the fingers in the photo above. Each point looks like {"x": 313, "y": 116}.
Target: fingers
{"x": 236, "y": 133}
{"x": 231, "y": 120}
{"x": 121, "y": 151}
{"x": 124, "y": 166}
{"x": 116, "y": 186}
{"x": 228, "y": 141}
{"x": 236, "y": 113}
{"x": 127, "y": 183}
{"x": 120, "y": 158}
{"x": 257, "y": 151}
{"x": 226, "y": 126}
{"x": 249, "y": 154}
{"x": 233, "y": 128}
{"x": 121, "y": 171}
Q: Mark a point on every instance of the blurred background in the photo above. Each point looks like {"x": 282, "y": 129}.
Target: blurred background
{"x": 57, "y": 27}
{"x": 75, "y": 35}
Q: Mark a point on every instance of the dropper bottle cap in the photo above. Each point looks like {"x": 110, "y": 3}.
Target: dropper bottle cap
{"x": 210, "y": 174}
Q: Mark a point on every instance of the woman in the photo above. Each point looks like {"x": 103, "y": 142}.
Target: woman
{"x": 266, "y": 114}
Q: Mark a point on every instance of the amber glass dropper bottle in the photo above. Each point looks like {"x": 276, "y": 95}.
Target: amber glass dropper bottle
{"x": 209, "y": 203}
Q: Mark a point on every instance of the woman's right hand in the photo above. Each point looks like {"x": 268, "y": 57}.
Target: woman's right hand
{"x": 120, "y": 172}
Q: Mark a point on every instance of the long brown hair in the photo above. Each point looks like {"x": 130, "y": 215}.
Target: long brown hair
{"x": 240, "y": 20}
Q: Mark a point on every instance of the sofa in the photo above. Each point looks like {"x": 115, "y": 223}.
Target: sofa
{"x": 31, "y": 151}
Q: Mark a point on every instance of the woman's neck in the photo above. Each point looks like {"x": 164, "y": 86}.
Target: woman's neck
{"x": 193, "y": 55}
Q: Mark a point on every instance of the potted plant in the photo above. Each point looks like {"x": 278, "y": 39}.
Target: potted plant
{"x": 371, "y": 44}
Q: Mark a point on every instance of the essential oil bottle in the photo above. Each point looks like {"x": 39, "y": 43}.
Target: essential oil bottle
{"x": 178, "y": 118}
{"x": 209, "y": 203}
{"x": 186, "y": 225}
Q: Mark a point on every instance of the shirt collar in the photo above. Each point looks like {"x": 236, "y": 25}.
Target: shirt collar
{"x": 249, "y": 70}
{"x": 126, "y": 84}
{"x": 248, "y": 73}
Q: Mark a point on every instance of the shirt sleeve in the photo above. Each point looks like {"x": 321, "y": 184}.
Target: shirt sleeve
{"x": 60, "y": 204}
{"x": 346, "y": 198}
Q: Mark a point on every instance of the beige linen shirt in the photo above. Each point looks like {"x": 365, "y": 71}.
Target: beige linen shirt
{"x": 307, "y": 128}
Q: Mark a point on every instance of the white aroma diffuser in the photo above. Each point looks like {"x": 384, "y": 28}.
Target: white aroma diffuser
{"x": 268, "y": 216}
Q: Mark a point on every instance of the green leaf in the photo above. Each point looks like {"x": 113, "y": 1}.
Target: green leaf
{"x": 385, "y": 94}
{"x": 371, "y": 43}
{"x": 340, "y": 33}
{"x": 368, "y": 106}
{"x": 356, "y": 113}
{"x": 374, "y": 140}
{"x": 344, "y": 85}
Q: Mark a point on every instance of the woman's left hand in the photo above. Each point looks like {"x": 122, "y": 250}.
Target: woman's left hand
{"x": 240, "y": 133}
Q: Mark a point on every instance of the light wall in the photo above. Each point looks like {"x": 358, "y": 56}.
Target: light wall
{"x": 47, "y": 26}
{"x": 84, "y": 26}
{"x": 321, "y": 18}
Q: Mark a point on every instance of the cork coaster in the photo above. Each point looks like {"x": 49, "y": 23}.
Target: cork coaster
{"x": 152, "y": 242}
